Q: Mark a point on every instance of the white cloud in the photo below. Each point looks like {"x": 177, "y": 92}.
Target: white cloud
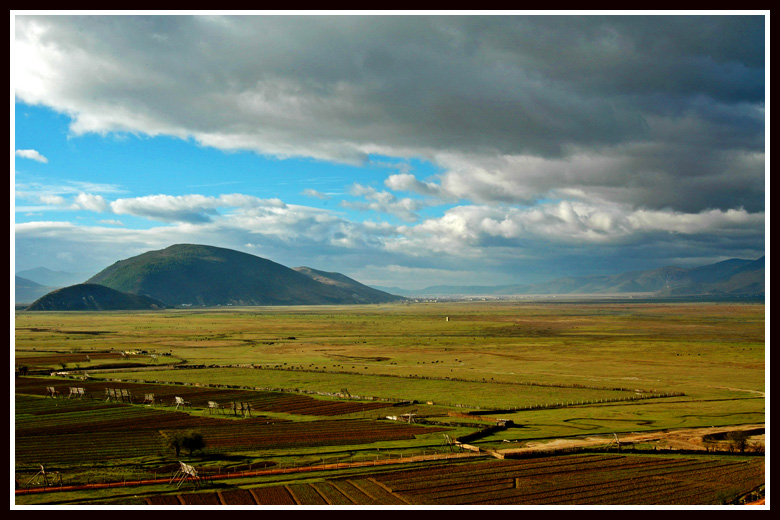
{"x": 43, "y": 226}
{"x": 308, "y": 192}
{"x": 52, "y": 200}
{"x": 188, "y": 208}
{"x": 32, "y": 154}
{"x": 707, "y": 222}
{"x": 467, "y": 230}
{"x": 54, "y": 193}
{"x": 385, "y": 202}
{"x": 90, "y": 202}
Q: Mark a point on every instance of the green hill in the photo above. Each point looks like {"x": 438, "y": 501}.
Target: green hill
{"x": 199, "y": 275}
{"x": 92, "y": 297}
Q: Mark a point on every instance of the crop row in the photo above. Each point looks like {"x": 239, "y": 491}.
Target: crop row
{"x": 669, "y": 492}
{"x": 67, "y": 357}
{"x": 589, "y": 492}
{"x": 634, "y": 483}
{"x": 276, "y": 495}
{"x": 318, "y": 493}
{"x": 200, "y": 499}
{"x": 643, "y": 479}
{"x": 200, "y": 396}
{"x": 163, "y": 500}
{"x": 640, "y": 493}
{"x": 353, "y": 493}
{"x": 57, "y": 430}
{"x": 445, "y": 494}
{"x": 90, "y": 446}
{"x": 306, "y": 495}
{"x": 612, "y": 488}
{"x": 378, "y": 492}
{"x": 237, "y": 497}
{"x": 336, "y": 492}
{"x": 316, "y": 433}
{"x": 331, "y": 494}
{"x": 511, "y": 469}
{"x": 427, "y": 475}
{"x": 73, "y": 417}
{"x": 85, "y": 447}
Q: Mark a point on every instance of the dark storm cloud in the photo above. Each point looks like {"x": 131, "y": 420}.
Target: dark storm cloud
{"x": 672, "y": 96}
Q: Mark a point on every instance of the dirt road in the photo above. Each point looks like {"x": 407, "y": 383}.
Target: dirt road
{"x": 678, "y": 439}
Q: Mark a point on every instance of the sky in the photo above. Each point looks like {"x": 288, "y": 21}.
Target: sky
{"x": 401, "y": 150}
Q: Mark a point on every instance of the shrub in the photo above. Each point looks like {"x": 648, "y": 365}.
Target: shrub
{"x": 189, "y": 440}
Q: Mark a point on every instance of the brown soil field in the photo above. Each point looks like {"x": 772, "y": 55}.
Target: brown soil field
{"x": 678, "y": 439}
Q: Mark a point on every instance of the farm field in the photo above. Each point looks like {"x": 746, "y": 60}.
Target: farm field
{"x": 588, "y": 479}
{"x": 321, "y": 383}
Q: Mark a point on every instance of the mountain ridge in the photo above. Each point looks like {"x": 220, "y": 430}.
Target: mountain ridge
{"x": 734, "y": 277}
{"x": 201, "y": 275}
{"x": 27, "y": 291}
{"x": 51, "y": 278}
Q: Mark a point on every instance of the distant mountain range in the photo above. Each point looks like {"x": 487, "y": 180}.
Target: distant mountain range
{"x": 198, "y": 275}
{"x": 27, "y": 291}
{"x": 49, "y": 278}
{"x": 734, "y": 278}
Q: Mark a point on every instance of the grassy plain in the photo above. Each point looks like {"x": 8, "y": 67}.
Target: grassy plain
{"x": 596, "y": 358}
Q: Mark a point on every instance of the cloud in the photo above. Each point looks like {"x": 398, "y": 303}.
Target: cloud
{"x": 52, "y": 200}
{"x": 566, "y": 142}
{"x": 408, "y": 182}
{"x": 510, "y": 108}
{"x": 32, "y": 154}
{"x": 187, "y": 208}
{"x": 464, "y": 231}
{"x": 642, "y": 176}
{"x": 385, "y": 202}
{"x": 481, "y": 245}
{"x": 308, "y": 192}
{"x": 90, "y": 202}
{"x": 54, "y": 192}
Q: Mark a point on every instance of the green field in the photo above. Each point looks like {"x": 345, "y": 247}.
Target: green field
{"x": 555, "y": 369}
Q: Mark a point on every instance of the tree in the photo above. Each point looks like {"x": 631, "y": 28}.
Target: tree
{"x": 193, "y": 441}
{"x": 189, "y": 441}
{"x": 738, "y": 441}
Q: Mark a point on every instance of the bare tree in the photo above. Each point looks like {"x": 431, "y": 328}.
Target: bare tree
{"x": 738, "y": 441}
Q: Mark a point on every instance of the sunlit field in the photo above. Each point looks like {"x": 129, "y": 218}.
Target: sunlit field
{"x": 555, "y": 370}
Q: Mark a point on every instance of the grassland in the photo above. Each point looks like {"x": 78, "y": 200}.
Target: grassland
{"x": 557, "y": 370}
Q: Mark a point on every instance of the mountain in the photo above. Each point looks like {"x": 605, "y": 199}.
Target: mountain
{"x": 730, "y": 278}
{"x": 190, "y": 274}
{"x": 361, "y": 293}
{"x": 50, "y": 278}
{"x": 26, "y": 291}
{"x": 92, "y": 297}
